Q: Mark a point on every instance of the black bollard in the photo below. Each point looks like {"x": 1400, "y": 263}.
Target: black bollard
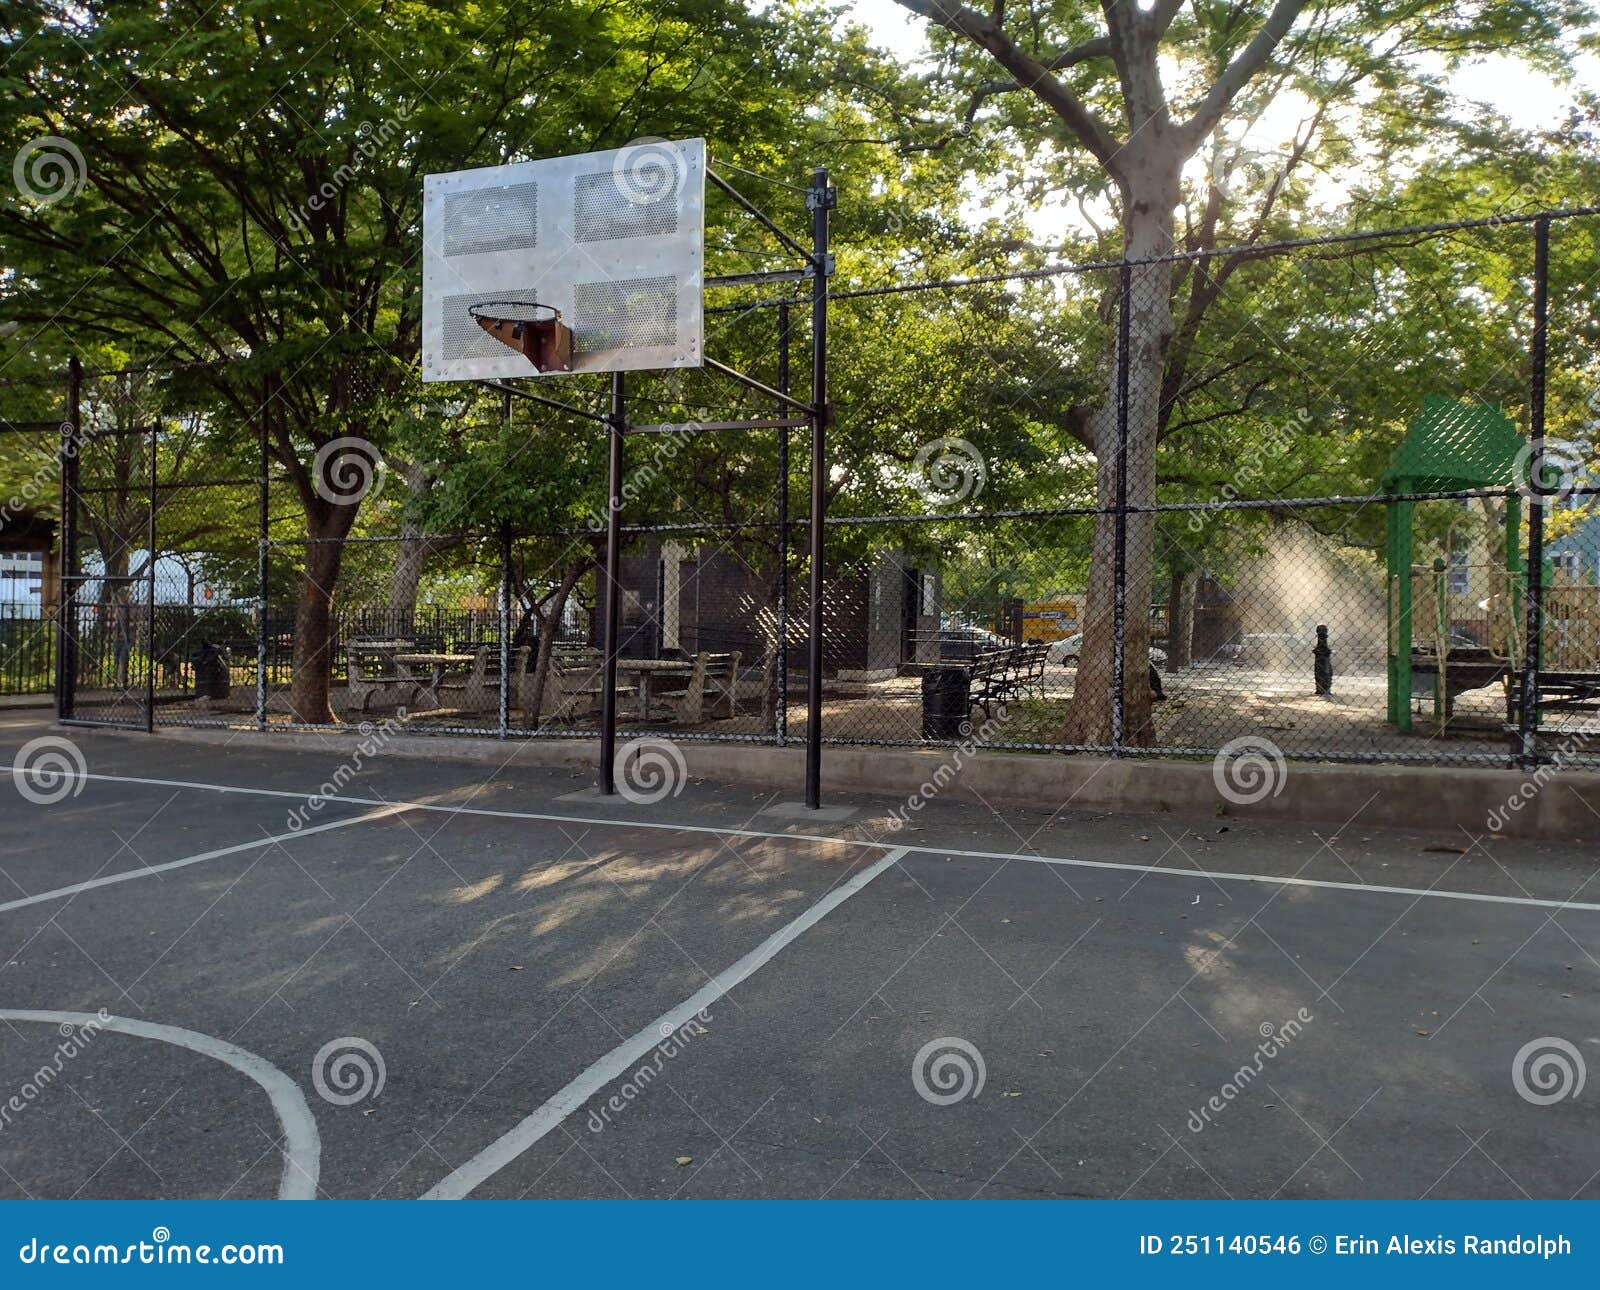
{"x": 1322, "y": 666}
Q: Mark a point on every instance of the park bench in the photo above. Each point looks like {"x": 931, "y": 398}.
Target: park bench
{"x": 997, "y": 677}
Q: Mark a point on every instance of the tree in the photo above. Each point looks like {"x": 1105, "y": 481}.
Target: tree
{"x": 252, "y": 185}
{"x": 1086, "y": 75}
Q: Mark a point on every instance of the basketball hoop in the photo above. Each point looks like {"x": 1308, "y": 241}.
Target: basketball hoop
{"x": 535, "y": 331}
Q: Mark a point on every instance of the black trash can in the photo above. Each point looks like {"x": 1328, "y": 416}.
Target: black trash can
{"x": 945, "y": 694}
{"x": 211, "y": 679}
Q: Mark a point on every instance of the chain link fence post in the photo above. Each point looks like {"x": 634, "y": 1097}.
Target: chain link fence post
{"x": 1119, "y": 600}
{"x": 1533, "y": 645}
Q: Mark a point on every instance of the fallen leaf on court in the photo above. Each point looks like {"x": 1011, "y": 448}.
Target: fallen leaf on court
{"x": 1447, "y": 849}
{"x": 1422, "y": 1032}
{"x": 685, "y": 1160}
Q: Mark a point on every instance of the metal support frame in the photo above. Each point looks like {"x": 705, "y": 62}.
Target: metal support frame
{"x": 761, "y": 387}
{"x": 756, "y": 213}
{"x": 821, "y": 200}
{"x": 70, "y": 567}
{"x": 1119, "y": 596}
{"x": 150, "y": 593}
{"x": 616, "y": 428}
{"x": 263, "y": 516}
{"x": 781, "y": 710}
{"x": 779, "y": 422}
{"x": 1532, "y": 658}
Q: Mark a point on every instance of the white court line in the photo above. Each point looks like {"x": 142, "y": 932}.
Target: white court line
{"x": 612, "y": 821}
{"x": 621, "y": 1059}
{"x": 302, "y": 1144}
{"x": 201, "y": 858}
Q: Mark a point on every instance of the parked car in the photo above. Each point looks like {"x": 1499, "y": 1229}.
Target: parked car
{"x": 1071, "y": 649}
{"x": 961, "y": 643}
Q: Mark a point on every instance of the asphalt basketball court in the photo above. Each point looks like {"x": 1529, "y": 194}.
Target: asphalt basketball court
{"x": 466, "y": 980}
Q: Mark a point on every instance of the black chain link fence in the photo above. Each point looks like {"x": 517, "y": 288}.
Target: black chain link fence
{"x": 1334, "y": 498}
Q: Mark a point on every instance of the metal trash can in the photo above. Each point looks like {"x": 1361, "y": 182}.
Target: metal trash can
{"x": 211, "y": 680}
{"x": 945, "y": 695}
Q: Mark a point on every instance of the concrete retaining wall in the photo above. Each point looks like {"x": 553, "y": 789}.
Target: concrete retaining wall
{"x": 1564, "y": 807}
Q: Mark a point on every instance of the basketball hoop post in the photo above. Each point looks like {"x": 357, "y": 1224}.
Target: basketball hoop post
{"x": 820, "y": 199}
{"x": 615, "y": 428}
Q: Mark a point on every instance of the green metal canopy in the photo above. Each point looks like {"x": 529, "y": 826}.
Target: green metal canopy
{"x": 1452, "y": 445}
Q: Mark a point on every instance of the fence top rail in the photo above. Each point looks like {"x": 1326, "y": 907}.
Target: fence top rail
{"x": 1258, "y": 250}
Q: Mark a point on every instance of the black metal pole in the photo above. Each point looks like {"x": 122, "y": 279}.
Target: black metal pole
{"x": 781, "y": 711}
{"x": 150, "y": 598}
{"x": 505, "y": 630}
{"x": 820, "y": 200}
{"x": 263, "y": 513}
{"x": 1532, "y": 658}
{"x": 67, "y": 594}
{"x": 505, "y": 600}
{"x": 1119, "y": 598}
{"x": 615, "y": 428}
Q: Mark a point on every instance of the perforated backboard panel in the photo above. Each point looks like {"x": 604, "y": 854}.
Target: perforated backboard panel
{"x": 613, "y": 240}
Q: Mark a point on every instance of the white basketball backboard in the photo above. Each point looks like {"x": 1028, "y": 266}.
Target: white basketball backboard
{"x": 613, "y": 241}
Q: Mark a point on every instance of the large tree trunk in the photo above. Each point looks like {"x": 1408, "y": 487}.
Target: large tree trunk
{"x": 1152, "y": 196}
{"x": 548, "y": 618}
{"x": 412, "y": 553}
{"x": 327, "y": 525}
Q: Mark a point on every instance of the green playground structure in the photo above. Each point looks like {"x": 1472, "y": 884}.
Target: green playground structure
{"x": 1449, "y": 446}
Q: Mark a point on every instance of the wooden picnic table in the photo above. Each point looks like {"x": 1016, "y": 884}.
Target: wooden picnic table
{"x": 437, "y": 665}
{"x": 648, "y": 668}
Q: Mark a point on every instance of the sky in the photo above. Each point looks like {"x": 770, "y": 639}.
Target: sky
{"x": 1527, "y": 98}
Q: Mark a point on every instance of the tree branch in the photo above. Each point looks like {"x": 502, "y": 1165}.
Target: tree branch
{"x": 1238, "y": 73}
{"x": 1029, "y": 73}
